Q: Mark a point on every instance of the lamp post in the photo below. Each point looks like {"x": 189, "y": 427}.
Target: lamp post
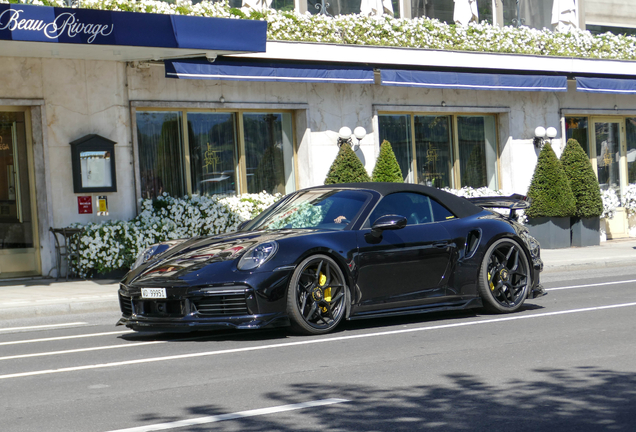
{"x": 540, "y": 133}
{"x": 345, "y": 136}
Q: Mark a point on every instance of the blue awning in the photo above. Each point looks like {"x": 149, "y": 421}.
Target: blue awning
{"x": 22, "y": 22}
{"x": 473, "y": 81}
{"x": 255, "y": 71}
{"x": 606, "y": 85}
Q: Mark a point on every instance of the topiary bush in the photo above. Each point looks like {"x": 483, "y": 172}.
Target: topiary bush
{"x": 550, "y": 189}
{"x": 346, "y": 168}
{"x": 583, "y": 182}
{"x": 387, "y": 168}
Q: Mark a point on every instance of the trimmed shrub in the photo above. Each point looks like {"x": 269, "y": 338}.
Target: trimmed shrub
{"x": 583, "y": 182}
{"x": 550, "y": 189}
{"x": 387, "y": 168}
{"x": 346, "y": 168}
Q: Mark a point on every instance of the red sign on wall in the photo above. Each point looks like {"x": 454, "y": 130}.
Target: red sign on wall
{"x": 85, "y": 204}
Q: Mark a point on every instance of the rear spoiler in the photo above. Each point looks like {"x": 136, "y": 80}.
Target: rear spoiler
{"x": 513, "y": 202}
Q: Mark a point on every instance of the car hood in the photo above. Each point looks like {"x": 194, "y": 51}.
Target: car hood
{"x": 195, "y": 254}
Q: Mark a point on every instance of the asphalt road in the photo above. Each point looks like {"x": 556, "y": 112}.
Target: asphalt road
{"x": 566, "y": 362}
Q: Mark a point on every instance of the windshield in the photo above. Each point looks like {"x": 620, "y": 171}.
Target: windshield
{"x": 322, "y": 209}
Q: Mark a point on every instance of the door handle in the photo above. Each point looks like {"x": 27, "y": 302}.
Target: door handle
{"x": 441, "y": 244}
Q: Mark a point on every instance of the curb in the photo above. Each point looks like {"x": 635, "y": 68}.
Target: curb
{"x": 63, "y": 308}
{"x": 586, "y": 265}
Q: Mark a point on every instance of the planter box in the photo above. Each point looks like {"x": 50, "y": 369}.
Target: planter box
{"x": 586, "y": 231}
{"x": 551, "y": 233}
{"x": 617, "y": 226}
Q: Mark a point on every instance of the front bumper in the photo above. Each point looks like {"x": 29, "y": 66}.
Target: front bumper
{"x": 208, "y": 307}
{"x": 193, "y": 323}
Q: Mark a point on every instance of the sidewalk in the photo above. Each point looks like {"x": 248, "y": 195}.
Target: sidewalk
{"x": 46, "y": 297}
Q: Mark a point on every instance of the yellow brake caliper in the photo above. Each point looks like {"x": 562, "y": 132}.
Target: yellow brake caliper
{"x": 492, "y": 286}
{"x": 327, "y": 291}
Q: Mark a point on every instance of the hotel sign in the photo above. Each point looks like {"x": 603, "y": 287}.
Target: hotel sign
{"x": 30, "y": 23}
{"x": 66, "y": 23}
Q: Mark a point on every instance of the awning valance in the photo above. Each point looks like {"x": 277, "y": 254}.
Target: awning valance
{"x": 473, "y": 81}
{"x": 606, "y": 85}
{"x": 256, "y": 71}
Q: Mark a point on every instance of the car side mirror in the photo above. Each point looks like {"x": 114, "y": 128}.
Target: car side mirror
{"x": 387, "y": 222}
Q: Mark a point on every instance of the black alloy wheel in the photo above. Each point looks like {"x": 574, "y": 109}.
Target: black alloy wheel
{"x": 504, "y": 279}
{"x": 316, "y": 298}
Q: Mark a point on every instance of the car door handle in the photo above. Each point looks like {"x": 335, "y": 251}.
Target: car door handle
{"x": 441, "y": 244}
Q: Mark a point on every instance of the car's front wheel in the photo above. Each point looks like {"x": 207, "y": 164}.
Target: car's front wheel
{"x": 316, "y": 298}
{"x": 504, "y": 279}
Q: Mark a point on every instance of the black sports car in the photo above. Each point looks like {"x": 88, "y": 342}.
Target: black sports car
{"x": 329, "y": 253}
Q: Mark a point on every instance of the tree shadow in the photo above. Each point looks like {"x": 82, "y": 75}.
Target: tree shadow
{"x": 573, "y": 399}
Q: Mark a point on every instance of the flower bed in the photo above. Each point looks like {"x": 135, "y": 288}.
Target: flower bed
{"x": 114, "y": 245}
{"x": 389, "y": 31}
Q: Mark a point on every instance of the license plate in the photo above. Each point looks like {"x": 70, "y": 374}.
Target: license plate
{"x": 153, "y": 293}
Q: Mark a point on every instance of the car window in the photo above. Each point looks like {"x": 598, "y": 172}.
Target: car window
{"x": 417, "y": 208}
{"x": 440, "y": 212}
{"x": 320, "y": 208}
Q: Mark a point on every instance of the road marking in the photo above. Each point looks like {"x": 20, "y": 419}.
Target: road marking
{"x": 57, "y": 338}
{"x": 97, "y": 348}
{"x": 306, "y": 342}
{"x": 39, "y": 327}
{"x": 590, "y": 285}
{"x": 232, "y": 416}
{"x": 78, "y": 350}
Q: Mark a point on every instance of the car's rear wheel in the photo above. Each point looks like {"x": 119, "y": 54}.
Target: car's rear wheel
{"x": 504, "y": 278}
{"x": 316, "y": 298}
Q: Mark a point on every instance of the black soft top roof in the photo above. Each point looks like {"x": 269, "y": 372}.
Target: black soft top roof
{"x": 460, "y": 206}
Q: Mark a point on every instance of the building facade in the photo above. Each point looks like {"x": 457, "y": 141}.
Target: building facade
{"x": 267, "y": 116}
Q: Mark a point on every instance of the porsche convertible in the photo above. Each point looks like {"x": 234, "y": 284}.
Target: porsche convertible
{"x": 340, "y": 252}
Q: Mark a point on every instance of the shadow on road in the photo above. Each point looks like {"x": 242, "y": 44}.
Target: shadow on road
{"x": 575, "y": 399}
{"x": 343, "y": 328}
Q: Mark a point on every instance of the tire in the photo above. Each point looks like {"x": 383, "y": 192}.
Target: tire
{"x": 504, "y": 277}
{"x": 316, "y": 296}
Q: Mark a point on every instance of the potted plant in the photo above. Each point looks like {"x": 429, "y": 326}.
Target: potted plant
{"x": 552, "y": 202}
{"x": 346, "y": 168}
{"x": 387, "y": 168}
{"x": 585, "y": 225}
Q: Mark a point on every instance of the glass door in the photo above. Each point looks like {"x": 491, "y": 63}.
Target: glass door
{"x": 18, "y": 234}
{"x": 608, "y": 144}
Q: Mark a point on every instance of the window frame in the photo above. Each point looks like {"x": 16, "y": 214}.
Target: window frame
{"x": 453, "y": 113}
{"x": 239, "y": 151}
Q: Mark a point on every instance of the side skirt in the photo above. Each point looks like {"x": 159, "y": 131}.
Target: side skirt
{"x": 474, "y": 302}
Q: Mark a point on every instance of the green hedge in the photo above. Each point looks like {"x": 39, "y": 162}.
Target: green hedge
{"x": 386, "y": 167}
{"x": 346, "y": 168}
{"x": 550, "y": 189}
{"x": 583, "y": 182}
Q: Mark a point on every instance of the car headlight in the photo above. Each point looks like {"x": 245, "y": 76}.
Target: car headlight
{"x": 153, "y": 251}
{"x": 258, "y": 255}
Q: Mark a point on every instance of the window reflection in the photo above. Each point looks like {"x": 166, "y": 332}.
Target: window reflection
{"x": 396, "y": 129}
{"x": 531, "y": 13}
{"x": 433, "y": 150}
{"x": 160, "y": 153}
{"x": 477, "y": 151}
{"x": 443, "y": 10}
{"x": 434, "y": 142}
{"x": 345, "y": 7}
{"x": 630, "y": 130}
{"x": 268, "y": 152}
{"x": 16, "y": 223}
{"x": 212, "y": 153}
{"x": 576, "y": 128}
{"x": 607, "y": 154}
